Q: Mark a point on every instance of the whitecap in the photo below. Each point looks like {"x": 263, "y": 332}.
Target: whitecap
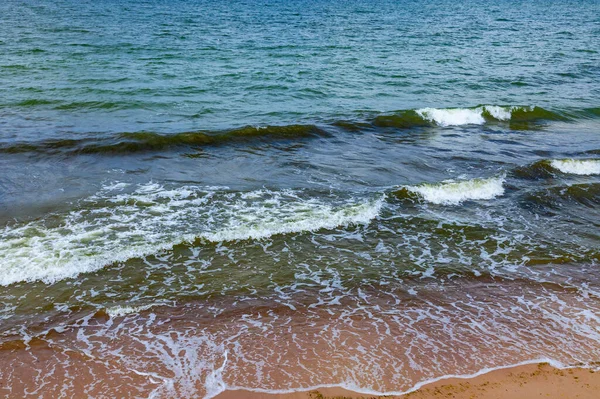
{"x": 454, "y": 192}
{"x": 577, "y": 166}
{"x": 465, "y": 116}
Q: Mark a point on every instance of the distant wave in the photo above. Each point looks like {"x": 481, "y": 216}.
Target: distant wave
{"x": 479, "y": 115}
{"x": 148, "y": 141}
{"x": 465, "y": 116}
{"x": 518, "y": 117}
{"x": 454, "y": 192}
{"x": 114, "y": 226}
{"x": 60, "y": 105}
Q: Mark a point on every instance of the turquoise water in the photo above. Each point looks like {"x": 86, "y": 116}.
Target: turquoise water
{"x": 198, "y": 196}
{"x": 100, "y": 67}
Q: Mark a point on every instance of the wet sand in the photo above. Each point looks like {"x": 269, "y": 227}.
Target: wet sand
{"x": 527, "y": 381}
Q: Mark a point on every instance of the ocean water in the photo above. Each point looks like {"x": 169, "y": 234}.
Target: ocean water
{"x": 199, "y": 196}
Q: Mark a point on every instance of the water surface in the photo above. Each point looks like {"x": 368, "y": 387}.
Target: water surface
{"x": 197, "y": 196}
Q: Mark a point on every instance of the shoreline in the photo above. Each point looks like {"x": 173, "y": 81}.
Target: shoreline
{"x": 525, "y": 380}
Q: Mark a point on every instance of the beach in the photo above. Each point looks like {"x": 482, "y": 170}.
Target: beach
{"x": 527, "y": 381}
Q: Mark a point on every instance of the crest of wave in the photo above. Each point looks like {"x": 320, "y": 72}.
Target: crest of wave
{"x": 454, "y": 192}
{"x": 465, "y": 116}
{"x": 577, "y": 166}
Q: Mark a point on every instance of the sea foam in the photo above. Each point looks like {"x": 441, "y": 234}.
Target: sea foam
{"x": 577, "y": 166}
{"x": 454, "y": 192}
{"x": 465, "y": 116}
{"x": 117, "y": 311}
{"x": 114, "y": 226}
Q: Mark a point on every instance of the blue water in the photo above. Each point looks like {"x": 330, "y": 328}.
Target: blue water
{"x": 170, "y": 66}
{"x": 277, "y": 195}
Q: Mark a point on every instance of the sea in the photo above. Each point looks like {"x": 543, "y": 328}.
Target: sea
{"x": 280, "y": 195}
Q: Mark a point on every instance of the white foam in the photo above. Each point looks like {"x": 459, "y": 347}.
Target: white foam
{"x": 189, "y": 362}
{"x": 115, "y": 186}
{"x": 465, "y": 116}
{"x": 500, "y": 113}
{"x": 214, "y": 383}
{"x": 577, "y": 166}
{"x": 117, "y": 311}
{"x": 452, "y": 192}
{"x": 452, "y": 116}
{"x": 114, "y": 227}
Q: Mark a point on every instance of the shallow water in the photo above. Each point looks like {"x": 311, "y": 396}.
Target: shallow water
{"x": 277, "y": 196}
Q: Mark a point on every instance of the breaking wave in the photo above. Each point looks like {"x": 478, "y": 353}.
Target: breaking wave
{"x": 577, "y": 166}
{"x": 465, "y": 116}
{"x": 479, "y": 115}
{"x": 116, "y": 226}
{"x": 454, "y": 192}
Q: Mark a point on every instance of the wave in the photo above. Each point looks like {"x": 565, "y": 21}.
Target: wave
{"x": 577, "y": 166}
{"x": 149, "y": 141}
{"x": 61, "y": 105}
{"x": 537, "y": 170}
{"x": 545, "y": 168}
{"x": 114, "y": 226}
{"x": 465, "y": 116}
{"x": 454, "y": 192}
{"x": 518, "y": 117}
{"x": 403, "y": 118}
{"x": 479, "y": 115}
{"x": 556, "y": 197}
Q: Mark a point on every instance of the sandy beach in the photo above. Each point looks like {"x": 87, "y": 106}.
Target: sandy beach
{"x": 527, "y": 381}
